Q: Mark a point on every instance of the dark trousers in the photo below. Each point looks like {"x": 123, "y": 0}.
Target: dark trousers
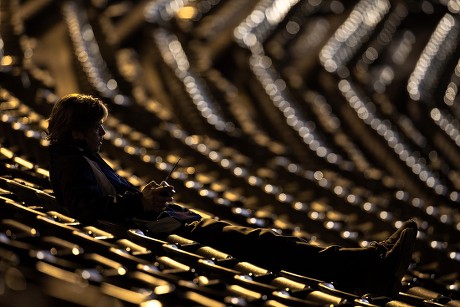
{"x": 275, "y": 252}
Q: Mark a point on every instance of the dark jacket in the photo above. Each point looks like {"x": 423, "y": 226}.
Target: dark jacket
{"x": 77, "y": 189}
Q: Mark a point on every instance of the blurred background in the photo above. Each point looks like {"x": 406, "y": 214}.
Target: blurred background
{"x": 330, "y": 120}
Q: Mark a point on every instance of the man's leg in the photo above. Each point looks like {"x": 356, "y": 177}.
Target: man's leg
{"x": 376, "y": 269}
{"x": 260, "y": 246}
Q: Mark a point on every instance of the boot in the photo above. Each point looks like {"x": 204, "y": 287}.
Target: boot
{"x": 392, "y": 261}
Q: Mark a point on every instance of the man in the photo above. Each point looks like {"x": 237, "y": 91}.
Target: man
{"x": 91, "y": 190}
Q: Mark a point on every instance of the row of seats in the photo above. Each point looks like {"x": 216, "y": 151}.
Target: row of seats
{"x": 273, "y": 109}
{"x": 129, "y": 266}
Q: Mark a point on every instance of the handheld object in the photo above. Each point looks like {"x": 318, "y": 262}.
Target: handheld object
{"x": 170, "y": 172}
{"x": 165, "y": 183}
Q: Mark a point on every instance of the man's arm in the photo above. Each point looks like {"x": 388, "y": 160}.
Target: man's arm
{"x": 78, "y": 190}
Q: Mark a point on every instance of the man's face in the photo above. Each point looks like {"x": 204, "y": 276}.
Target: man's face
{"x": 93, "y": 137}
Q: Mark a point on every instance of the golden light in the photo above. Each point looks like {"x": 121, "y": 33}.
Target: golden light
{"x": 7, "y": 60}
{"x": 186, "y": 12}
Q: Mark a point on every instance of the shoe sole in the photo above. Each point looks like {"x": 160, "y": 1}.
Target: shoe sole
{"x": 407, "y": 242}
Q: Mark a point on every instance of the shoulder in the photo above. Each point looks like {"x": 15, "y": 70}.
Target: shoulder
{"x": 67, "y": 159}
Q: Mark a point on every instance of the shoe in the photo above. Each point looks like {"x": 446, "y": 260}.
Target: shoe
{"x": 393, "y": 258}
{"x": 391, "y": 240}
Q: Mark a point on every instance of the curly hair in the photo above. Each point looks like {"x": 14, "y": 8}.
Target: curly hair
{"x": 74, "y": 112}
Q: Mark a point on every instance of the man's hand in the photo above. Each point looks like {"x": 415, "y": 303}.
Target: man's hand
{"x": 157, "y": 196}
